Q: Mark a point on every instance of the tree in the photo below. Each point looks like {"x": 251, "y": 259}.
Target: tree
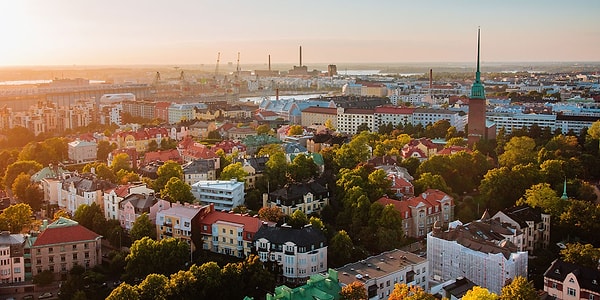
{"x": 584, "y": 255}
{"x": 519, "y": 289}
{"x": 430, "y": 181}
{"x": 414, "y": 292}
{"x": 44, "y": 278}
{"x": 234, "y": 171}
{"x": 354, "y": 291}
{"x": 142, "y": 227}
{"x": 543, "y": 196}
{"x": 271, "y": 214}
{"x": 363, "y": 127}
{"x": 263, "y": 129}
{"x": 91, "y": 217}
{"x": 124, "y": 176}
{"x": 153, "y": 287}
{"x": 165, "y": 172}
{"x": 456, "y": 141}
{"x": 295, "y": 130}
{"x": 594, "y": 131}
{"x": 61, "y": 213}
{"x": 329, "y": 124}
{"x": 480, "y": 293}
{"x": 16, "y": 217}
{"x": 124, "y": 292}
{"x": 276, "y": 169}
{"x": 147, "y": 256}
{"x": 152, "y": 146}
{"x": 20, "y": 185}
{"x": 104, "y": 148}
{"x": 15, "y": 169}
{"x": 342, "y": 246}
{"x": 120, "y": 162}
{"x": 177, "y": 190}
{"x": 34, "y": 196}
{"x": 389, "y": 231}
{"x": 518, "y": 151}
{"x": 302, "y": 168}
{"x": 298, "y": 219}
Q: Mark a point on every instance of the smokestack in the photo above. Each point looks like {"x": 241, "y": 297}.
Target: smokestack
{"x": 430, "y": 78}
{"x": 300, "y": 56}
{"x": 269, "y": 62}
{"x": 277, "y": 94}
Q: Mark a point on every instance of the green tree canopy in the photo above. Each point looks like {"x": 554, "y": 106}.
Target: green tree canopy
{"x": 340, "y": 249}
{"x": 234, "y": 171}
{"x": 302, "y": 168}
{"x": 13, "y": 170}
{"x": 584, "y": 255}
{"x": 177, "y": 190}
{"x": 479, "y": 293}
{"x": 16, "y": 217}
{"x": 104, "y": 148}
{"x": 276, "y": 169}
{"x": 431, "y": 181}
{"x": 165, "y": 172}
{"x": 518, "y": 151}
{"x": 543, "y": 196}
{"x": 120, "y": 162}
{"x": 414, "y": 292}
{"x": 124, "y": 292}
{"x": 142, "y": 227}
{"x": 298, "y": 219}
{"x": 165, "y": 257}
{"x": 295, "y": 130}
{"x": 519, "y": 289}
{"x": 154, "y": 287}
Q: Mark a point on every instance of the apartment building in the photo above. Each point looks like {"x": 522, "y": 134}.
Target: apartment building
{"x": 379, "y": 273}
{"x": 316, "y": 115}
{"x": 348, "y": 119}
{"x": 532, "y": 222}
{"x": 392, "y": 115}
{"x": 12, "y": 260}
{"x": 135, "y": 204}
{"x": 300, "y": 252}
{"x": 181, "y": 221}
{"x": 224, "y": 194}
{"x": 420, "y": 213}
{"x": 199, "y": 170}
{"x": 62, "y": 245}
{"x": 229, "y": 233}
{"x": 483, "y": 251}
{"x": 82, "y": 151}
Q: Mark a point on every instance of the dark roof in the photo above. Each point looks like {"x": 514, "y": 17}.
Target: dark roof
{"x": 199, "y": 166}
{"x": 258, "y": 163}
{"x": 522, "y": 214}
{"x": 305, "y": 236}
{"x": 141, "y": 202}
{"x": 588, "y": 278}
{"x": 460, "y": 287}
{"x": 296, "y": 191}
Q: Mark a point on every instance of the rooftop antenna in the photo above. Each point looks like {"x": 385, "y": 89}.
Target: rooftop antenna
{"x": 237, "y": 68}
{"x": 477, "y": 73}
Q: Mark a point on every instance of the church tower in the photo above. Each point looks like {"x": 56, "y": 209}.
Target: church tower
{"x": 477, "y": 104}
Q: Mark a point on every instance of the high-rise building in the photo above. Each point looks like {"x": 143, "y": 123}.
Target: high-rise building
{"x": 477, "y": 103}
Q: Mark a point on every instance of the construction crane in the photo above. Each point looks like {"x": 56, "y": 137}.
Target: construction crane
{"x": 217, "y": 67}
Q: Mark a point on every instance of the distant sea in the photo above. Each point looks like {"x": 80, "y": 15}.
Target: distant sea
{"x": 30, "y": 82}
{"x": 257, "y": 100}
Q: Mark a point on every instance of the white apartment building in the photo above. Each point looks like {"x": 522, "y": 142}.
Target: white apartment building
{"x": 532, "y": 222}
{"x": 178, "y": 112}
{"x": 381, "y": 272}
{"x": 82, "y": 151}
{"x": 349, "y": 119}
{"x": 390, "y": 114}
{"x": 425, "y": 116}
{"x": 479, "y": 251}
{"x": 224, "y": 194}
{"x": 300, "y": 252}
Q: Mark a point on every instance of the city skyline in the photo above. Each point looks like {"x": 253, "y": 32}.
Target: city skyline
{"x": 193, "y": 32}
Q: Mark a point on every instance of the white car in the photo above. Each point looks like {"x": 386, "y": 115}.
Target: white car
{"x": 45, "y": 295}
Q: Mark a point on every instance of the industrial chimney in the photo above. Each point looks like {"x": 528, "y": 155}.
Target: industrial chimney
{"x": 300, "y": 56}
{"x": 269, "y": 62}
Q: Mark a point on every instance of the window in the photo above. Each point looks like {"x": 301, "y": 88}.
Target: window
{"x": 571, "y": 292}
{"x": 74, "y": 247}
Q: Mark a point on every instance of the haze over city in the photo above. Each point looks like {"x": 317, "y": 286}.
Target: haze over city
{"x": 193, "y": 32}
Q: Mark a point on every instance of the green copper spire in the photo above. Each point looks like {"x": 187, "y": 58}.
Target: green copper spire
{"x": 564, "y": 195}
{"x": 477, "y": 90}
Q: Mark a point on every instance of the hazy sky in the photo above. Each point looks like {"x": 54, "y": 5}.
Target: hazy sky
{"x": 108, "y": 32}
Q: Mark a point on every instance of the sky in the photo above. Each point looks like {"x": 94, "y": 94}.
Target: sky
{"x": 177, "y": 32}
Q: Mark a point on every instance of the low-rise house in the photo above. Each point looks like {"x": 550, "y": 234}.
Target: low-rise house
{"x": 162, "y": 156}
{"x": 12, "y": 258}
{"x": 421, "y": 212}
{"x": 224, "y": 194}
{"x": 563, "y": 280}
{"x": 534, "y": 224}
{"x": 307, "y": 197}
{"x": 191, "y": 150}
{"x": 254, "y": 166}
{"x": 62, "y": 245}
{"x": 112, "y": 198}
{"x": 300, "y": 252}
{"x": 136, "y": 204}
{"x": 379, "y": 273}
{"x": 199, "y": 170}
{"x": 77, "y": 189}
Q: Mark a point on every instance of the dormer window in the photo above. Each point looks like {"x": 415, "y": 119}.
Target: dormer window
{"x": 594, "y": 282}
{"x": 557, "y": 271}
{"x": 571, "y": 280}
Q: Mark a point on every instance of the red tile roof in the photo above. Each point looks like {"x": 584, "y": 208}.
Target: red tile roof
{"x": 64, "y": 234}
{"x": 430, "y": 198}
{"x": 251, "y": 224}
{"x": 321, "y": 110}
{"x": 165, "y": 155}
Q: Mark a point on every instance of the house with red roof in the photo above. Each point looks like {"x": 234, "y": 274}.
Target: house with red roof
{"x": 140, "y": 139}
{"x": 62, "y": 245}
{"x": 162, "y": 156}
{"x": 403, "y": 188}
{"x": 422, "y": 149}
{"x": 230, "y": 146}
{"x": 453, "y": 149}
{"x": 421, "y": 212}
{"x": 191, "y": 150}
{"x": 229, "y": 233}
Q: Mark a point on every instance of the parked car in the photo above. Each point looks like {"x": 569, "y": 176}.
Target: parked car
{"x": 28, "y": 297}
{"x": 45, "y": 295}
